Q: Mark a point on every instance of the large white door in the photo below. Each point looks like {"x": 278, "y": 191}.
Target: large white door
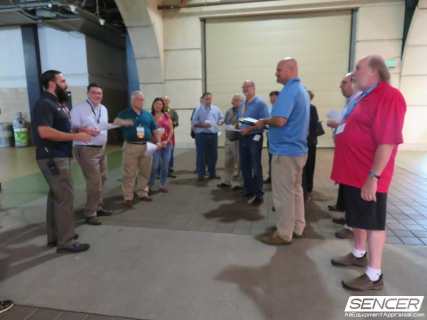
{"x": 249, "y": 48}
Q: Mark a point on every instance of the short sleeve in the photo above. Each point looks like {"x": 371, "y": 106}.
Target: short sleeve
{"x": 265, "y": 114}
{"x": 388, "y": 123}
{"x": 284, "y": 105}
{"x": 75, "y": 118}
{"x": 153, "y": 125}
{"x": 195, "y": 118}
{"x": 45, "y": 116}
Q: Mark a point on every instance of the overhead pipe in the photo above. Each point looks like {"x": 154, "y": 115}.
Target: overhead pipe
{"x": 206, "y": 4}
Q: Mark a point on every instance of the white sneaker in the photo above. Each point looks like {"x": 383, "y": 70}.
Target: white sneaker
{"x": 251, "y": 200}
{"x": 5, "y": 305}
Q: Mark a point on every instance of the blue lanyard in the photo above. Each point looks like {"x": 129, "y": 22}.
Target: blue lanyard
{"x": 92, "y": 107}
{"x": 355, "y": 100}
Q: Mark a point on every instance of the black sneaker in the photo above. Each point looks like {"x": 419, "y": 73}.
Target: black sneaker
{"x": 223, "y": 185}
{"x": 104, "y": 213}
{"x": 5, "y": 305}
{"x": 73, "y": 248}
{"x": 93, "y": 221}
{"x": 257, "y": 201}
{"x": 53, "y": 244}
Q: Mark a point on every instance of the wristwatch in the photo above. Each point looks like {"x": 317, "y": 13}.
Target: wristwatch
{"x": 374, "y": 175}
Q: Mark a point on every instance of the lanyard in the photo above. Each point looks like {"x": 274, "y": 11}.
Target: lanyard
{"x": 92, "y": 107}
{"x": 359, "y": 97}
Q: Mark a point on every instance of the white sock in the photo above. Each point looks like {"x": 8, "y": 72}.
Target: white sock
{"x": 373, "y": 274}
{"x": 358, "y": 253}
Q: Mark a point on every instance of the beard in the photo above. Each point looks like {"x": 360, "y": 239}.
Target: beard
{"x": 62, "y": 94}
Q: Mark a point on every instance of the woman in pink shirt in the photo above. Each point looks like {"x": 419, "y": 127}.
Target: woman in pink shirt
{"x": 162, "y": 156}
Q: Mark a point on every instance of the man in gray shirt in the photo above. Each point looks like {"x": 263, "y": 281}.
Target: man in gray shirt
{"x": 231, "y": 145}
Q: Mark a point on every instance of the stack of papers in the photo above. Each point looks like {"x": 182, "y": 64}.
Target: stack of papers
{"x": 248, "y": 121}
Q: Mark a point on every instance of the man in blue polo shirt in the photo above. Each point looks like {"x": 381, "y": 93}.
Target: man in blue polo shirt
{"x": 251, "y": 144}
{"x": 288, "y": 144}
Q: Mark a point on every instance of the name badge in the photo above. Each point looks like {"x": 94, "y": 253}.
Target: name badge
{"x": 340, "y": 129}
{"x": 257, "y": 137}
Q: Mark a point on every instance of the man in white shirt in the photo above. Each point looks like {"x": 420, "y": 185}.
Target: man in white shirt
{"x": 91, "y": 117}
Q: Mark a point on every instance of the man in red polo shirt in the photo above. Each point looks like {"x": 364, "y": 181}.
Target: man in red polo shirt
{"x": 365, "y": 154}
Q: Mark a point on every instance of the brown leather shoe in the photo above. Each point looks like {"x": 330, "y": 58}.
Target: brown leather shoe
{"x": 273, "y": 239}
{"x": 350, "y": 260}
{"x": 273, "y": 229}
{"x": 146, "y": 198}
{"x": 128, "y": 203}
{"x": 344, "y": 233}
{"x": 363, "y": 283}
{"x": 338, "y": 220}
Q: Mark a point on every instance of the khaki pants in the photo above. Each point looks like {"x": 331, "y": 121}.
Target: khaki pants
{"x": 136, "y": 170}
{"x": 93, "y": 163}
{"x": 231, "y": 162}
{"x": 59, "y": 210}
{"x": 288, "y": 196}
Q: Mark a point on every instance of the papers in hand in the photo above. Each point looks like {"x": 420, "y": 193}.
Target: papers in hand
{"x": 230, "y": 127}
{"x": 248, "y": 121}
{"x": 151, "y": 148}
{"x": 112, "y": 126}
{"x": 335, "y": 116}
{"x": 212, "y": 123}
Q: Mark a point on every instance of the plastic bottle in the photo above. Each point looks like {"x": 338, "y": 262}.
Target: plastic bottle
{"x": 20, "y": 131}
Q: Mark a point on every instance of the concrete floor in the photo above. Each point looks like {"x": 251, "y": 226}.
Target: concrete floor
{"x": 191, "y": 254}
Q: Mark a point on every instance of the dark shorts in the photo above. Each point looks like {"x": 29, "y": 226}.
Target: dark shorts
{"x": 362, "y": 214}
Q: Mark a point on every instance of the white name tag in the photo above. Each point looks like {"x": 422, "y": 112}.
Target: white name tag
{"x": 340, "y": 129}
{"x": 257, "y": 137}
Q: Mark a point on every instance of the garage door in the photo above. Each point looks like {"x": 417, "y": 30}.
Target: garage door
{"x": 249, "y": 48}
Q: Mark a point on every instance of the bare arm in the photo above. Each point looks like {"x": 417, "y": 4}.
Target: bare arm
{"x": 381, "y": 158}
{"x": 48, "y": 133}
{"x": 273, "y": 122}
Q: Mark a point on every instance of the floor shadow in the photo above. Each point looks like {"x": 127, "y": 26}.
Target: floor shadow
{"x": 276, "y": 287}
{"x": 19, "y": 255}
{"x": 233, "y": 212}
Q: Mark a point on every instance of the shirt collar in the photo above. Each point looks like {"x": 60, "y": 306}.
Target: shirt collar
{"x": 133, "y": 111}
{"x": 292, "y": 80}
{"x": 370, "y": 89}
{"x": 50, "y": 96}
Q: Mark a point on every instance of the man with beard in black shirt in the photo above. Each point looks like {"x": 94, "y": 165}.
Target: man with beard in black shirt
{"x": 53, "y": 139}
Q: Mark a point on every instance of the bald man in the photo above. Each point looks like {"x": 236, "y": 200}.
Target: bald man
{"x": 365, "y": 152}
{"x": 251, "y": 143}
{"x": 231, "y": 146}
{"x": 351, "y": 93}
{"x": 288, "y": 144}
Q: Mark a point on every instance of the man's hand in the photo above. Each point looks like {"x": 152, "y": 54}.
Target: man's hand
{"x": 82, "y": 136}
{"x": 124, "y": 122}
{"x": 332, "y": 124}
{"x": 91, "y": 131}
{"x": 246, "y": 131}
{"x": 369, "y": 190}
{"x": 203, "y": 125}
{"x": 260, "y": 124}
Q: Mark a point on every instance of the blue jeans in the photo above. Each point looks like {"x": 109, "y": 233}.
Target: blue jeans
{"x": 250, "y": 164}
{"x": 172, "y": 161}
{"x": 160, "y": 164}
{"x": 206, "y": 148}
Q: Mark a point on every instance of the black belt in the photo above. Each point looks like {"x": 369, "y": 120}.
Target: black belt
{"x": 89, "y": 146}
{"x": 136, "y": 142}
